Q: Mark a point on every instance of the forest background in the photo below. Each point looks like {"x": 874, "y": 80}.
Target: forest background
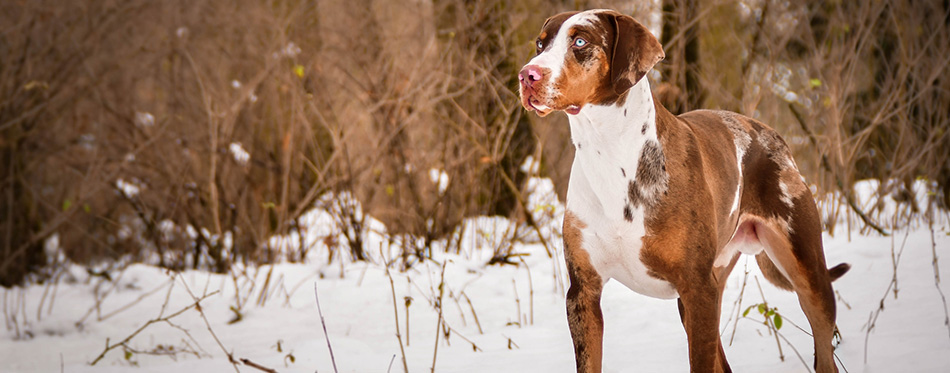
{"x": 185, "y": 134}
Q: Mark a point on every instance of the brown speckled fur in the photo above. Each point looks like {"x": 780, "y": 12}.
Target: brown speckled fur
{"x": 686, "y": 184}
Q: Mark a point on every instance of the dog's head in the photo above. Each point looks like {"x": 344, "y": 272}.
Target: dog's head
{"x": 590, "y": 57}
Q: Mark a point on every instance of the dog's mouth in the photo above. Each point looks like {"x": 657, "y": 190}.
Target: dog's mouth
{"x": 532, "y": 103}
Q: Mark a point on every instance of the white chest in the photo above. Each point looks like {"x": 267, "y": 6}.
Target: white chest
{"x": 609, "y": 141}
{"x": 612, "y": 242}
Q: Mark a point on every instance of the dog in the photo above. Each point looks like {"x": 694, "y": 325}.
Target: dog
{"x": 666, "y": 204}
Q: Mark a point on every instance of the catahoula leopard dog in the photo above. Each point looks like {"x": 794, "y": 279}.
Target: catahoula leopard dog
{"x": 666, "y": 204}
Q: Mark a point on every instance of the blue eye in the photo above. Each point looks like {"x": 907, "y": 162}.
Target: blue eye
{"x": 540, "y": 45}
{"x": 580, "y": 43}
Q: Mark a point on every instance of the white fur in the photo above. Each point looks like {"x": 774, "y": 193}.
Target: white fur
{"x": 787, "y": 163}
{"x": 607, "y": 141}
{"x": 786, "y": 196}
{"x": 741, "y": 140}
{"x": 735, "y": 199}
{"x": 553, "y": 57}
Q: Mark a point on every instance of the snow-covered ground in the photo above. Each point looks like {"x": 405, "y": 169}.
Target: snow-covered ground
{"x": 494, "y": 318}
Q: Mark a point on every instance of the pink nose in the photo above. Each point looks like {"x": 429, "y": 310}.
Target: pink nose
{"x": 529, "y": 75}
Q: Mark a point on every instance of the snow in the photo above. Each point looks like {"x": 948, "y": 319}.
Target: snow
{"x": 439, "y": 178}
{"x": 130, "y": 189}
{"x": 240, "y": 155}
{"x": 144, "y": 119}
{"x": 521, "y": 323}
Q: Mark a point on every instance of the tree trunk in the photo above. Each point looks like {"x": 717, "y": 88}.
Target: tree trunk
{"x": 682, "y": 54}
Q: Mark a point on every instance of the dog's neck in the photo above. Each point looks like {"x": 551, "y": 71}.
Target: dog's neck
{"x": 609, "y": 140}
{"x": 622, "y": 129}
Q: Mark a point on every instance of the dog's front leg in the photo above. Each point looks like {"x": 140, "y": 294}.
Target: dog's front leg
{"x": 583, "y": 299}
{"x": 586, "y": 323}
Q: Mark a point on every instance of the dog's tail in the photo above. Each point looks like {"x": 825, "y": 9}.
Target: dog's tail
{"x": 839, "y": 270}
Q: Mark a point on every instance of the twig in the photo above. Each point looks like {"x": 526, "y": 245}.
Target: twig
{"x": 933, "y": 248}
{"x": 517, "y": 302}
{"x": 392, "y": 288}
{"x": 530, "y": 290}
{"x": 52, "y": 300}
{"x": 800, "y": 358}
{"x": 262, "y": 297}
{"x": 848, "y": 195}
{"x": 841, "y": 363}
{"x": 161, "y": 350}
{"x": 293, "y": 290}
{"x": 745, "y": 280}
{"x": 768, "y": 321}
{"x": 100, "y": 297}
{"x": 771, "y": 327}
{"x": 474, "y": 315}
{"x": 408, "y": 302}
{"x": 230, "y": 355}
{"x": 391, "y": 361}
{"x": 324, "y": 324}
{"x": 9, "y": 312}
{"x": 257, "y": 366}
{"x": 438, "y": 325}
{"x": 46, "y": 289}
{"x": 458, "y": 305}
{"x": 522, "y": 202}
{"x": 460, "y": 335}
{"x": 511, "y": 343}
{"x": 109, "y": 347}
{"x": 872, "y": 317}
{"x": 841, "y": 299}
{"x": 136, "y": 301}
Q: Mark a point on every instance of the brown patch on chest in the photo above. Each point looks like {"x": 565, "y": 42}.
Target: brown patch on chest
{"x": 651, "y": 178}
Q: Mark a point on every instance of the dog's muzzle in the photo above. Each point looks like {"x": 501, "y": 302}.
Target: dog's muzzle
{"x": 530, "y": 79}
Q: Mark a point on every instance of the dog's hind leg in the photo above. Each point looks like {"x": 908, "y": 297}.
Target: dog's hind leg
{"x": 796, "y": 250}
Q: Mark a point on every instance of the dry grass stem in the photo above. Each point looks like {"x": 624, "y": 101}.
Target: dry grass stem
{"x": 392, "y": 288}
{"x": 323, "y": 323}
{"x": 160, "y": 318}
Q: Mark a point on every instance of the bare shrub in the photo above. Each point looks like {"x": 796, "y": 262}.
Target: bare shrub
{"x": 179, "y": 134}
{"x": 855, "y": 87}
{"x": 188, "y": 134}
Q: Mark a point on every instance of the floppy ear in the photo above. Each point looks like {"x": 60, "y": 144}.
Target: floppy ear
{"x": 635, "y": 51}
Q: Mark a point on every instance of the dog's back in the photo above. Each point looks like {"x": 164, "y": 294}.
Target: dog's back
{"x": 666, "y": 204}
